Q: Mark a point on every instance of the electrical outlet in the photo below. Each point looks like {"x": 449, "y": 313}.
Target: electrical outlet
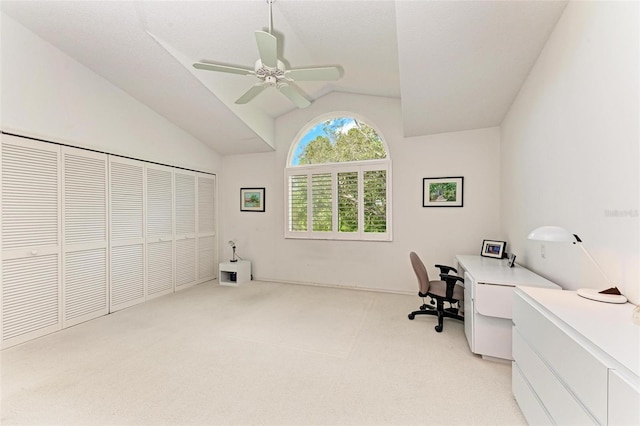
{"x": 543, "y": 251}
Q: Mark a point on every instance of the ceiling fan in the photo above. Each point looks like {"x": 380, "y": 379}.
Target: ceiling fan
{"x": 272, "y": 72}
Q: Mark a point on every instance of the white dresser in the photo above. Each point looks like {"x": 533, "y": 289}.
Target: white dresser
{"x": 576, "y": 361}
{"x": 488, "y": 298}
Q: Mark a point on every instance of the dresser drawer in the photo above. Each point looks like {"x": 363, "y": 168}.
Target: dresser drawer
{"x": 579, "y": 370}
{"x": 624, "y": 400}
{"x": 527, "y": 400}
{"x": 561, "y": 405}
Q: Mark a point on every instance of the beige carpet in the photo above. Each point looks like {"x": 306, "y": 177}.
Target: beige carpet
{"x": 263, "y": 353}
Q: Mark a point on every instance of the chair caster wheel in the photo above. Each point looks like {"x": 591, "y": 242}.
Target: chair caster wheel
{"x": 439, "y": 328}
{"x": 411, "y": 316}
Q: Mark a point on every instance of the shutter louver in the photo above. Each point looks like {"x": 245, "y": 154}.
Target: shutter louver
{"x": 127, "y": 233}
{"x": 185, "y": 261}
{"x": 206, "y": 260}
{"x": 348, "y": 202}
{"x": 160, "y": 267}
{"x": 30, "y": 295}
{"x": 207, "y": 253}
{"x": 206, "y": 206}
{"x": 185, "y": 207}
{"x": 159, "y": 231}
{"x": 127, "y": 275}
{"x": 126, "y": 201}
{"x": 85, "y": 283}
{"x": 375, "y": 201}
{"x": 29, "y": 197}
{"x": 322, "y": 202}
{"x": 85, "y": 199}
{"x": 159, "y": 202}
{"x": 298, "y": 203}
{"x": 185, "y": 204}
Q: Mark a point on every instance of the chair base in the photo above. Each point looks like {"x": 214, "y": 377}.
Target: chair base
{"x": 440, "y": 312}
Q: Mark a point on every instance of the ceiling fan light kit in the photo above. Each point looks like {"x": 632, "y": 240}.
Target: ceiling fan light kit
{"x": 271, "y": 72}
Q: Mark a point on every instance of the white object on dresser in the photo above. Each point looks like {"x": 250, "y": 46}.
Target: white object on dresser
{"x": 241, "y": 269}
{"x": 488, "y": 297}
{"x": 576, "y": 361}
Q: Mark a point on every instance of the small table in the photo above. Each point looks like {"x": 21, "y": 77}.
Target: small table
{"x": 240, "y": 269}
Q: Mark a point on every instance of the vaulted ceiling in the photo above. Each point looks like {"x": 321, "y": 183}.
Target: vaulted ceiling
{"x": 455, "y": 65}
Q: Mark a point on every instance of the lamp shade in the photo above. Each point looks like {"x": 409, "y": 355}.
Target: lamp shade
{"x": 552, "y": 233}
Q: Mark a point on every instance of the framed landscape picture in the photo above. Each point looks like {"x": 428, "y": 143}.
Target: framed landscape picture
{"x": 252, "y": 199}
{"x": 442, "y": 192}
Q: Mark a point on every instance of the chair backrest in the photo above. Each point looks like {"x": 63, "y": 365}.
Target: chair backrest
{"x": 421, "y": 272}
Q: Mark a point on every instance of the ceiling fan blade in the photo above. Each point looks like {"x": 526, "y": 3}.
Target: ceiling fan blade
{"x": 223, "y": 68}
{"x": 268, "y": 48}
{"x": 294, "y": 95}
{"x": 251, "y": 93}
{"x": 314, "y": 74}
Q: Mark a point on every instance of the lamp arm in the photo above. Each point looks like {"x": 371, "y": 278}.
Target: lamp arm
{"x": 595, "y": 263}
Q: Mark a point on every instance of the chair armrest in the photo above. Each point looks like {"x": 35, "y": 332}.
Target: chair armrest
{"x": 446, "y": 269}
{"x": 451, "y": 281}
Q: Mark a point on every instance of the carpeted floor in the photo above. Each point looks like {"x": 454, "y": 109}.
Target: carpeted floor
{"x": 263, "y": 353}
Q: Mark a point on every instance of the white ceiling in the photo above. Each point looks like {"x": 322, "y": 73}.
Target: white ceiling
{"x": 455, "y": 65}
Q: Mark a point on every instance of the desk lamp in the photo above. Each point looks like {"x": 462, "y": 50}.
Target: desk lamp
{"x": 232, "y": 243}
{"x": 561, "y": 235}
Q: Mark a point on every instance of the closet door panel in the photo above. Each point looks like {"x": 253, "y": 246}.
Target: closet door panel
{"x": 207, "y": 242}
{"x": 127, "y": 233}
{"x": 160, "y": 264}
{"x": 185, "y": 214}
{"x": 84, "y": 230}
{"x": 31, "y": 235}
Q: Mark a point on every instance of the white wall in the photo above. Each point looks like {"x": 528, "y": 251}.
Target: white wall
{"x": 48, "y": 95}
{"x": 570, "y": 152}
{"x": 436, "y": 234}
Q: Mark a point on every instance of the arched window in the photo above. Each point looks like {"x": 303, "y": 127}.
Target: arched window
{"x": 338, "y": 182}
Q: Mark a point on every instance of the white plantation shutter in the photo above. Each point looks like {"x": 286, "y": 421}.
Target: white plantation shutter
{"x": 185, "y": 214}
{"x": 127, "y": 232}
{"x": 160, "y": 265}
{"x": 348, "y": 201}
{"x": 84, "y": 212}
{"x": 207, "y": 253}
{"x": 30, "y": 290}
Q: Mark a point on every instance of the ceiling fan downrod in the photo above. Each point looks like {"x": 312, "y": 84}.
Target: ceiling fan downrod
{"x": 270, "y": 2}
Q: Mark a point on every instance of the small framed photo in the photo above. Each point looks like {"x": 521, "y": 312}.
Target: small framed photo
{"x": 491, "y": 248}
{"x": 512, "y": 260}
{"x": 442, "y": 191}
{"x": 252, "y": 199}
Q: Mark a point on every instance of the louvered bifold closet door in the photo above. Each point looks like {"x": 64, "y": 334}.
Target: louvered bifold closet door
{"x": 31, "y": 240}
{"x": 160, "y": 264}
{"x": 85, "y": 289}
{"x": 127, "y": 244}
{"x": 185, "y": 214}
{"x": 207, "y": 242}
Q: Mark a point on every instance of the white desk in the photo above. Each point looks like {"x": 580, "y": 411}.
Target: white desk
{"x": 576, "y": 361}
{"x": 241, "y": 269}
{"x": 488, "y": 299}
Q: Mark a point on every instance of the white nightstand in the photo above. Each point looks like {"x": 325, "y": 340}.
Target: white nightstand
{"x": 241, "y": 269}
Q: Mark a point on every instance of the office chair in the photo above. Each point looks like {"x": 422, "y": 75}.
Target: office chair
{"x": 443, "y": 290}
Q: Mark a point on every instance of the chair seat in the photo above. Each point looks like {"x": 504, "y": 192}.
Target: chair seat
{"x": 439, "y": 288}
